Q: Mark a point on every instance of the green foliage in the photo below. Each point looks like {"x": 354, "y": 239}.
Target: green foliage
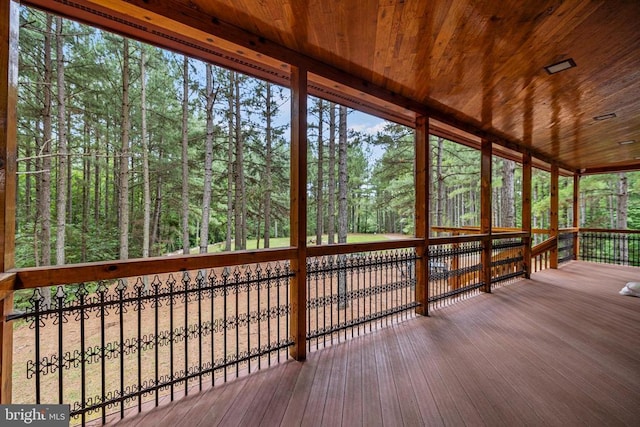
{"x": 381, "y": 190}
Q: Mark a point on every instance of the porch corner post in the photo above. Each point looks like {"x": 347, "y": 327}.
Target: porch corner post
{"x": 485, "y": 211}
{"x": 9, "y": 24}
{"x": 526, "y": 211}
{"x": 6, "y": 355}
{"x": 422, "y": 179}
{"x": 298, "y": 212}
{"x": 554, "y": 217}
{"x": 576, "y": 216}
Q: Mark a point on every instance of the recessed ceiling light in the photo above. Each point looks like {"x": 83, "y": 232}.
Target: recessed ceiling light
{"x": 627, "y": 142}
{"x": 605, "y": 116}
{"x": 560, "y": 66}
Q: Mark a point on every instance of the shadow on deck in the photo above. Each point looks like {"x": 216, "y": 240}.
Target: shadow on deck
{"x": 560, "y": 349}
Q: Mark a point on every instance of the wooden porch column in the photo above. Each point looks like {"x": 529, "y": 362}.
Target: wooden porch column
{"x": 576, "y": 215}
{"x": 553, "y": 212}
{"x": 526, "y": 210}
{"x": 298, "y": 316}
{"x": 422, "y": 214}
{"x": 485, "y": 211}
{"x": 9, "y": 23}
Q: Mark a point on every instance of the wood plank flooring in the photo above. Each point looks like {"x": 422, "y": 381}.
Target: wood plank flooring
{"x": 562, "y": 349}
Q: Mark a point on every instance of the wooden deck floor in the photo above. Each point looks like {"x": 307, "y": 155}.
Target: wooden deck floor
{"x": 561, "y": 349}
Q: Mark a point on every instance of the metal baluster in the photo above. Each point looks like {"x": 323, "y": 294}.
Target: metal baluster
{"x": 139, "y": 287}
{"x": 36, "y": 300}
{"x": 80, "y": 294}
{"x": 121, "y": 288}
{"x": 156, "y": 287}
{"x": 102, "y": 289}
{"x": 259, "y": 313}
{"x": 186, "y": 281}
{"x": 199, "y": 280}
{"x": 171, "y": 283}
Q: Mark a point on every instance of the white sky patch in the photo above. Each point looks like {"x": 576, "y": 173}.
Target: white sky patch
{"x": 365, "y": 123}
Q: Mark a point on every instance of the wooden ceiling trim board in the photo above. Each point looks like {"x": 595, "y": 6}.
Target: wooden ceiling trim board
{"x": 199, "y": 48}
{"x": 621, "y": 167}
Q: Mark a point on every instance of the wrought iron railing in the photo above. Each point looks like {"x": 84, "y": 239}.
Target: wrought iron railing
{"x": 348, "y": 294}
{"x": 109, "y": 346}
{"x": 620, "y": 247}
{"x": 507, "y": 260}
{"x": 130, "y": 334}
{"x": 566, "y": 250}
{"x": 455, "y": 271}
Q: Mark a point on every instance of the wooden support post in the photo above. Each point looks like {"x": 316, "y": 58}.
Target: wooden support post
{"x": 298, "y": 214}
{"x": 9, "y": 24}
{"x": 526, "y": 211}
{"x": 455, "y": 282}
{"x": 553, "y": 213}
{"x": 576, "y": 215}
{"x": 6, "y": 355}
{"x": 422, "y": 214}
{"x": 485, "y": 211}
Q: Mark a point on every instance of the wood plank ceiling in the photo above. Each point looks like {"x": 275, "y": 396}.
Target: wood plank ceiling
{"x": 477, "y": 62}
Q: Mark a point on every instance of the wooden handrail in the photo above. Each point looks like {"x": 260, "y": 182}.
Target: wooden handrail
{"x": 507, "y": 235}
{"x": 543, "y": 247}
{"x": 603, "y": 230}
{"x": 33, "y": 277}
{"x": 108, "y": 270}
{"x": 443, "y": 229}
{"x": 457, "y": 239}
{"x": 569, "y": 230}
{"x": 345, "y": 248}
{"x": 25, "y": 278}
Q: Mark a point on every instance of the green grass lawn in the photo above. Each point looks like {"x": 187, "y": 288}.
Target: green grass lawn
{"x": 282, "y": 242}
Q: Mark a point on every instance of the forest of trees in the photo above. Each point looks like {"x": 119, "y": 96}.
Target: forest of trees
{"x": 127, "y": 150}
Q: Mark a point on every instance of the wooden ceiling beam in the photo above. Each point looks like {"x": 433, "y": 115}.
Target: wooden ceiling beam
{"x": 622, "y": 167}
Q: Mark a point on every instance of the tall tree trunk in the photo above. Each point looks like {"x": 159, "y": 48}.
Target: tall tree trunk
{"x": 320, "y": 184}
{"x": 44, "y": 204}
{"x": 208, "y": 163}
{"x": 124, "y": 157}
{"x": 439, "y": 183}
{"x": 69, "y": 176}
{"x": 612, "y": 211}
{"x": 86, "y": 180}
{"x": 146, "y": 221}
{"x": 61, "y": 199}
{"x": 28, "y": 186}
{"x": 258, "y": 226}
{"x": 157, "y": 210}
{"x": 623, "y": 202}
{"x": 342, "y": 176}
{"x": 96, "y": 176}
{"x": 331, "y": 205}
{"x": 240, "y": 199}
{"x": 108, "y": 176}
{"x": 186, "y": 246}
{"x": 44, "y": 201}
{"x": 342, "y": 200}
{"x": 508, "y": 206}
{"x": 268, "y": 172}
{"x": 230, "y": 165}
